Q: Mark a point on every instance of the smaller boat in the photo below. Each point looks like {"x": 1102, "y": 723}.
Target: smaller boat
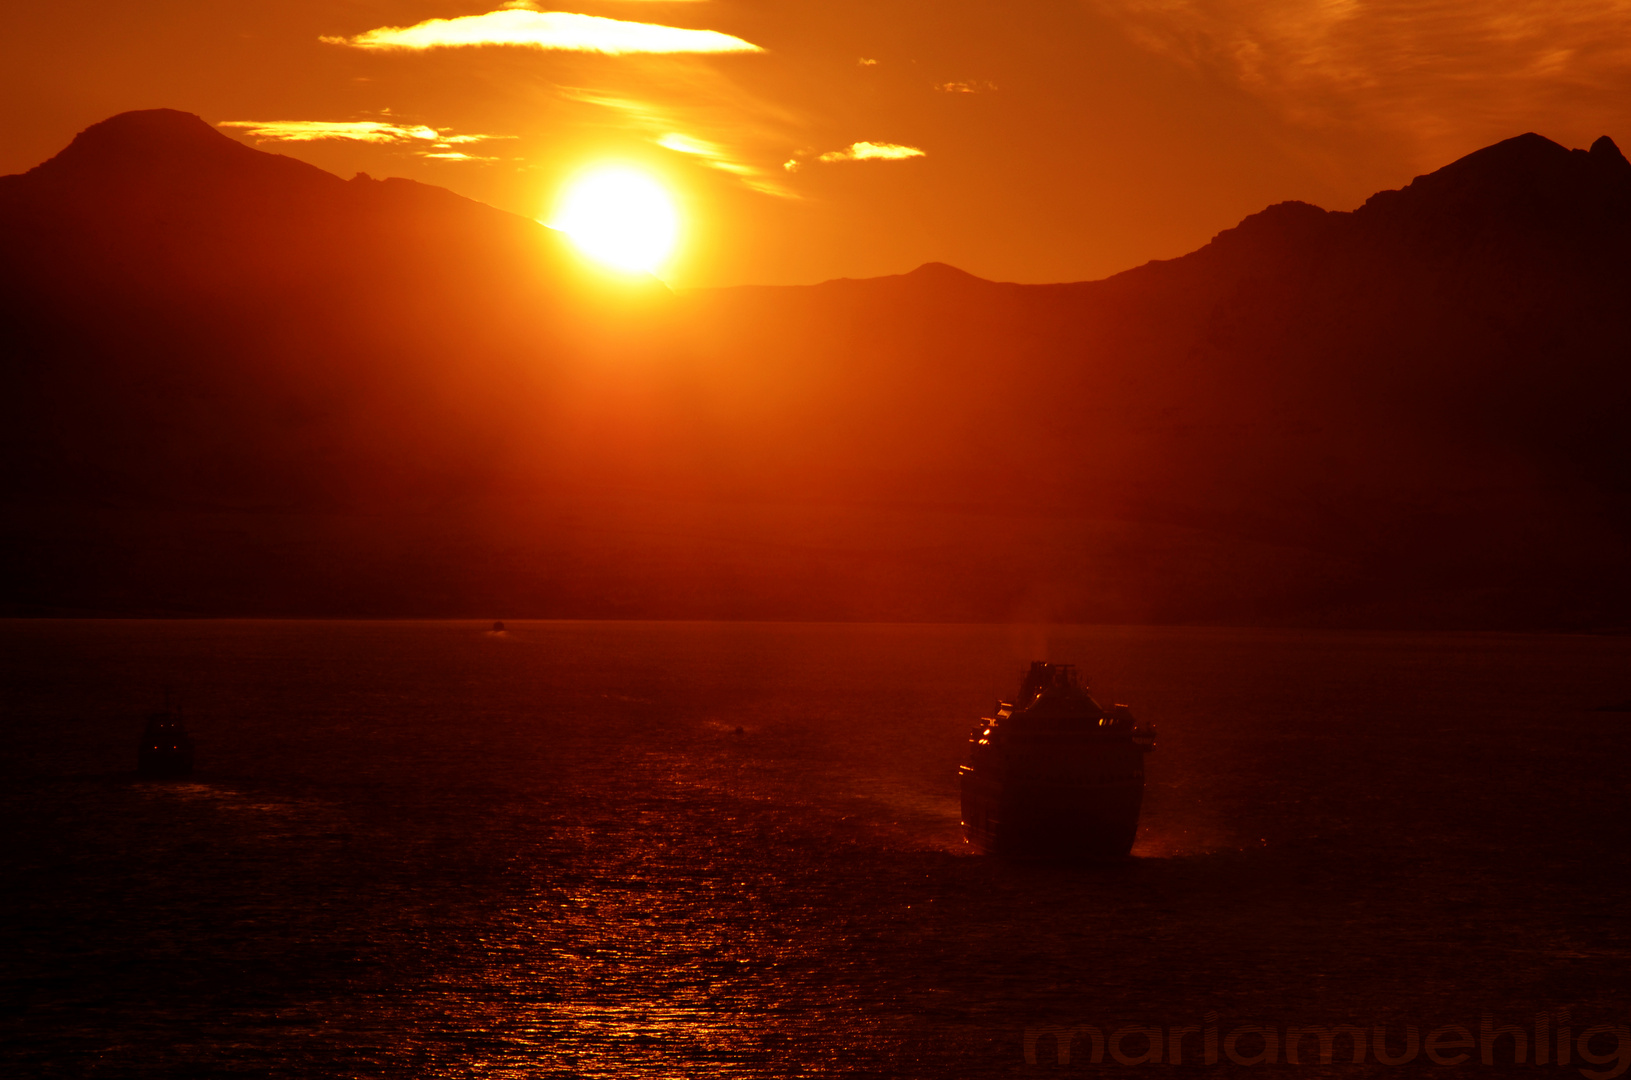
{"x": 1055, "y": 775}
{"x": 166, "y": 750}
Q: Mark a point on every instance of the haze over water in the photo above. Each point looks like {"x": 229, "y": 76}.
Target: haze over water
{"x": 428, "y": 849}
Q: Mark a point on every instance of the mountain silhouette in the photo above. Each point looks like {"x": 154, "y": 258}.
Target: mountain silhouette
{"x": 1408, "y": 412}
{"x": 237, "y": 384}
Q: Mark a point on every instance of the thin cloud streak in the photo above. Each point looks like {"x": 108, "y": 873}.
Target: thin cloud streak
{"x": 424, "y": 140}
{"x": 684, "y": 144}
{"x": 659, "y": 125}
{"x": 871, "y": 151}
{"x": 551, "y": 30}
{"x": 711, "y": 153}
{"x": 367, "y": 131}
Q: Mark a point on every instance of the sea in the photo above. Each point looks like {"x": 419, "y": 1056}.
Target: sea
{"x": 669, "y": 849}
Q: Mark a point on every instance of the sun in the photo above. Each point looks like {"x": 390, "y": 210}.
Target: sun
{"x": 619, "y": 216}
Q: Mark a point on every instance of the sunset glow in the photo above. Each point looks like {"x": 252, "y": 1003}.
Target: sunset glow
{"x": 1046, "y": 143}
{"x": 620, "y": 217}
{"x": 518, "y": 516}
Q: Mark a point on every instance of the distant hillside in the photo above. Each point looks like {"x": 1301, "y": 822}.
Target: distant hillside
{"x": 193, "y": 322}
{"x": 236, "y": 384}
{"x": 1415, "y": 411}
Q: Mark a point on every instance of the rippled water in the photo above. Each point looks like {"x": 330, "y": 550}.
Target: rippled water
{"x": 427, "y": 849}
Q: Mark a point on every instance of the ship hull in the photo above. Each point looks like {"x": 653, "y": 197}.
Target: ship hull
{"x": 165, "y": 763}
{"x": 1087, "y": 814}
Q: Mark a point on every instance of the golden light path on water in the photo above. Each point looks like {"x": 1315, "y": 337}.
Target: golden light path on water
{"x": 619, "y": 216}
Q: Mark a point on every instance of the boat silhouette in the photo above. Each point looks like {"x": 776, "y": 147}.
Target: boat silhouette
{"x": 166, "y": 750}
{"x": 1054, "y": 775}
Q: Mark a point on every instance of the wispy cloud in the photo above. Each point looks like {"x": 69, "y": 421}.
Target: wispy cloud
{"x": 422, "y": 139}
{"x": 861, "y": 151}
{"x": 871, "y": 151}
{"x": 659, "y": 123}
{"x": 684, "y": 144}
{"x": 521, "y": 25}
{"x": 713, "y": 154}
{"x": 668, "y": 89}
{"x": 1439, "y": 70}
{"x": 975, "y": 87}
{"x": 368, "y": 131}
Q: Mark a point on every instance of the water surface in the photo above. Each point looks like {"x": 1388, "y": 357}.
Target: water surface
{"x": 427, "y": 849}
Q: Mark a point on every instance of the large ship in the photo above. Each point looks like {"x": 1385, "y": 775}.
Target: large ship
{"x": 1054, "y": 775}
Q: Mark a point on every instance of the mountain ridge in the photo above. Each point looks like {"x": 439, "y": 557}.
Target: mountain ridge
{"x": 406, "y": 403}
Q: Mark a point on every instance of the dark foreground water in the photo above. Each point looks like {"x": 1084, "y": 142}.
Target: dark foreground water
{"x": 422, "y": 849}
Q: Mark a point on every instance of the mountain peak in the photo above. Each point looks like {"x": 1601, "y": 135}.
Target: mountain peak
{"x": 1604, "y": 150}
{"x": 1521, "y": 155}
{"x": 168, "y": 148}
{"x": 1528, "y": 183}
{"x": 149, "y": 124}
{"x": 939, "y": 271}
{"x": 140, "y": 134}
{"x": 1289, "y": 223}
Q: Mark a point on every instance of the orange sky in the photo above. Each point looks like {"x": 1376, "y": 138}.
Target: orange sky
{"x": 1058, "y": 140}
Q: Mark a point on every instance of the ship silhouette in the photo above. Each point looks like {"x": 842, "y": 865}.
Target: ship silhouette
{"x": 1054, "y": 775}
{"x": 166, "y": 750}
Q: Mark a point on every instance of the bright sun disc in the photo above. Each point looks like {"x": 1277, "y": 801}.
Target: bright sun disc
{"x": 619, "y": 216}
